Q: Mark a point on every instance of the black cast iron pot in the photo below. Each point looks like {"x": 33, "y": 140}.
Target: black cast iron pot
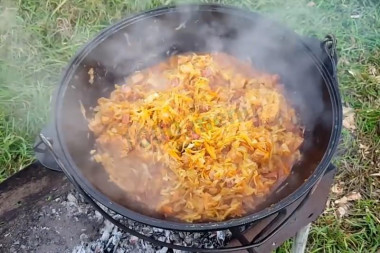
{"x": 305, "y": 67}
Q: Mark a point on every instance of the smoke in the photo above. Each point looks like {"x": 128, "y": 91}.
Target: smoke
{"x": 268, "y": 47}
{"x": 24, "y": 86}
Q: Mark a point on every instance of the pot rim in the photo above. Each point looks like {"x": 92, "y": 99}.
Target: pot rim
{"x": 183, "y": 226}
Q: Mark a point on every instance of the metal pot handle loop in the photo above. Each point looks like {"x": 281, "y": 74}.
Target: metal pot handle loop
{"x": 330, "y": 43}
{"x": 329, "y": 46}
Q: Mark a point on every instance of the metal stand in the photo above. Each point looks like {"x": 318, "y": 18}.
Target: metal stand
{"x": 293, "y": 221}
{"x": 300, "y": 240}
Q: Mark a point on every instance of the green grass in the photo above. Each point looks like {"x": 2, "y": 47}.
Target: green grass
{"x": 37, "y": 38}
{"x": 359, "y": 233}
{"x": 15, "y": 151}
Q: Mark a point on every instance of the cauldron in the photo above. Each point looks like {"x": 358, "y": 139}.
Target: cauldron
{"x": 145, "y": 39}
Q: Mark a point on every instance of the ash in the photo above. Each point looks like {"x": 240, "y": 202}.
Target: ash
{"x": 111, "y": 239}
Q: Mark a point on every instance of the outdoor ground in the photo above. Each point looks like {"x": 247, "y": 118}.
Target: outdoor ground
{"x": 37, "y": 38}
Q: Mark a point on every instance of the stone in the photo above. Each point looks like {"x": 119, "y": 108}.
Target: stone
{"x": 71, "y": 198}
{"x": 163, "y": 250}
{"x": 84, "y": 238}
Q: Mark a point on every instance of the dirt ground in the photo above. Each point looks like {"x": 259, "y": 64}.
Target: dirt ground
{"x": 34, "y": 220}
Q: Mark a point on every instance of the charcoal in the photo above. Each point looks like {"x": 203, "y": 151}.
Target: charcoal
{"x": 111, "y": 239}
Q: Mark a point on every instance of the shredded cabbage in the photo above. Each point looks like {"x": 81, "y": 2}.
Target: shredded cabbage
{"x": 199, "y": 137}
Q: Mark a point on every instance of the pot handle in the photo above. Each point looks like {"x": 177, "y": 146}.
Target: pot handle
{"x": 41, "y": 151}
{"x": 329, "y": 47}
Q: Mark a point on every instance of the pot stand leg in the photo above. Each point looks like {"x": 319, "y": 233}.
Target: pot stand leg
{"x": 300, "y": 240}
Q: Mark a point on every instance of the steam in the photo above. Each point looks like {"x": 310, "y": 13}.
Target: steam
{"x": 24, "y": 95}
{"x": 267, "y": 47}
